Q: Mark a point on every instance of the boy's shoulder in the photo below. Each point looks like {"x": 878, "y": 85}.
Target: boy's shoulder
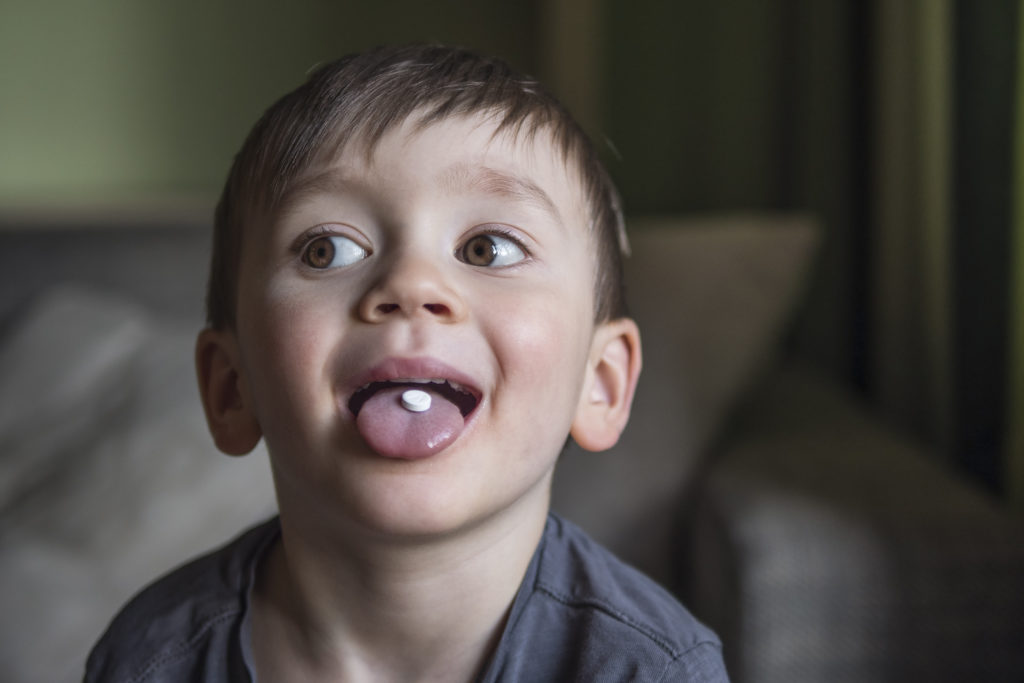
{"x": 583, "y": 614}
{"x": 191, "y": 614}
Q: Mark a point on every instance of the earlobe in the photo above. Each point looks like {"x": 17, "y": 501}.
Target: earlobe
{"x": 612, "y": 373}
{"x": 229, "y": 416}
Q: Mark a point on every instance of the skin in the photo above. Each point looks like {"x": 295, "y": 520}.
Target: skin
{"x": 396, "y": 569}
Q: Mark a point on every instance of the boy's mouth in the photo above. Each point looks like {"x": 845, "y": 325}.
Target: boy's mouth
{"x": 395, "y": 428}
{"x": 464, "y": 398}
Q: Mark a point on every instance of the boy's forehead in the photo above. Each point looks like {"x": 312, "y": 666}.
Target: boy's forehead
{"x": 464, "y": 154}
{"x": 512, "y": 184}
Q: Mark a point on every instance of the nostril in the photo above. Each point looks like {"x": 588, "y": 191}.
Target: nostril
{"x": 387, "y": 308}
{"x": 436, "y": 309}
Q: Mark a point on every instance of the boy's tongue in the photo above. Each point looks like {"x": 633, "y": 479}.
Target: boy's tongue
{"x": 396, "y": 432}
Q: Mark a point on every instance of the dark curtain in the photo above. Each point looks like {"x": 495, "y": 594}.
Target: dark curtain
{"x": 893, "y": 121}
{"x": 986, "y": 38}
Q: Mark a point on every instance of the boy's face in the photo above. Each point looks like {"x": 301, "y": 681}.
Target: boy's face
{"x": 447, "y": 254}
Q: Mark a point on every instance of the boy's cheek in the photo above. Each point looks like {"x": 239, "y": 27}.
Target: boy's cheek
{"x": 543, "y": 346}
{"x": 283, "y": 337}
{"x": 546, "y": 348}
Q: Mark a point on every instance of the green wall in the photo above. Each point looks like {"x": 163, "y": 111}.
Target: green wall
{"x": 112, "y": 100}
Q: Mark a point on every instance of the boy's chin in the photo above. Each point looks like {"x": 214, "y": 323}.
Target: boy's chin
{"x": 428, "y": 519}
{"x": 418, "y": 510}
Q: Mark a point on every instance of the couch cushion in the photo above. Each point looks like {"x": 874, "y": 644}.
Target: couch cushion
{"x": 712, "y": 297}
{"x": 109, "y": 475}
{"x": 834, "y": 548}
{"x": 63, "y": 369}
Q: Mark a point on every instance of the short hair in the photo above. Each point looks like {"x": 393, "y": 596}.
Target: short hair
{"x": 358, "y": 99}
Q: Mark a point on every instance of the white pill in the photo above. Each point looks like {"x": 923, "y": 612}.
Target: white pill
{"x": 415, "y": 400}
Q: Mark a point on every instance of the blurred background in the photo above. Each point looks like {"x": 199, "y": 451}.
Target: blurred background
{"x": 893, "y": 121}
{"x": 896, "y": 126}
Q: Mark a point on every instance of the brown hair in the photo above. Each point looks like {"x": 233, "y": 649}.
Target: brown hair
{"x": 361, "y": 97}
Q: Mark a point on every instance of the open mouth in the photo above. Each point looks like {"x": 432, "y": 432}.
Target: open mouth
{"x": 464, "y": 398}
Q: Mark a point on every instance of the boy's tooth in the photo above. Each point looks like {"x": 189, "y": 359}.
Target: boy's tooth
{"x": 416, "y": 401}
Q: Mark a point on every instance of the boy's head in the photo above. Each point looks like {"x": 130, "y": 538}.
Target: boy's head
{"x": 349, "y": 104}
{"x": 424, "y": 218}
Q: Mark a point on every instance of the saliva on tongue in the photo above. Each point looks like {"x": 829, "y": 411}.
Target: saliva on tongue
{"x": 395, "y": 432}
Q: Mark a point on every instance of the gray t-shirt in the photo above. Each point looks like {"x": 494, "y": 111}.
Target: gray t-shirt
{"x": 579, "y": 615}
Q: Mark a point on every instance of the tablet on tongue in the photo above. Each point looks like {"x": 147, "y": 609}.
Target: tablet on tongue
{"x": 396, "y": 432}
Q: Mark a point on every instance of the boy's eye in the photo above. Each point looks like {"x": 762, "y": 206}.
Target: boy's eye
{"x": 332, "y": 251}
{"x": 489, "y": 250}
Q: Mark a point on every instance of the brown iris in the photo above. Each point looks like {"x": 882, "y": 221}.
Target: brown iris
{"x": 319, "y": 253}
{"x": 480, "y": 251}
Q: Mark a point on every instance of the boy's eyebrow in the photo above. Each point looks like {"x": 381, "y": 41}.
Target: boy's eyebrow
{"x": 327, "y": 181}
{"x": 456, "y": 178}
{"x": 463, "y": 177}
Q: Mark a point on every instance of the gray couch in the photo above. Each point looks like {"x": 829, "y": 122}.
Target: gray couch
{"x": 822, "y": 545}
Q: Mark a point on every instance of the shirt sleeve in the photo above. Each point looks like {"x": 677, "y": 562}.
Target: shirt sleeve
{"x": 701, "y": 664}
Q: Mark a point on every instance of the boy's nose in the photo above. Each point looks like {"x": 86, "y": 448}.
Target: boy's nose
{"x": 412, "y": 288}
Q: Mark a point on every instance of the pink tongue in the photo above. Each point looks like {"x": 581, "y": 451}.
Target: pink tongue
{"x": 395, "y": 432}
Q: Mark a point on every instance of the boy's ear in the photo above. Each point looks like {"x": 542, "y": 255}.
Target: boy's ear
{"x": 225, "y": 397}
{"x": 609, "y": 385}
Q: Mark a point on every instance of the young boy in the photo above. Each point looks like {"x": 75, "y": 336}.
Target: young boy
{"x": 415, "y": 296}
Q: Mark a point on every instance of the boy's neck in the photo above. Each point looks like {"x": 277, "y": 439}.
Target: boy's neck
{"x": 361, "y": 610}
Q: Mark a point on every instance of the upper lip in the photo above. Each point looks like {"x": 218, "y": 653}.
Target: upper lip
{"x": 413, "y": 370}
